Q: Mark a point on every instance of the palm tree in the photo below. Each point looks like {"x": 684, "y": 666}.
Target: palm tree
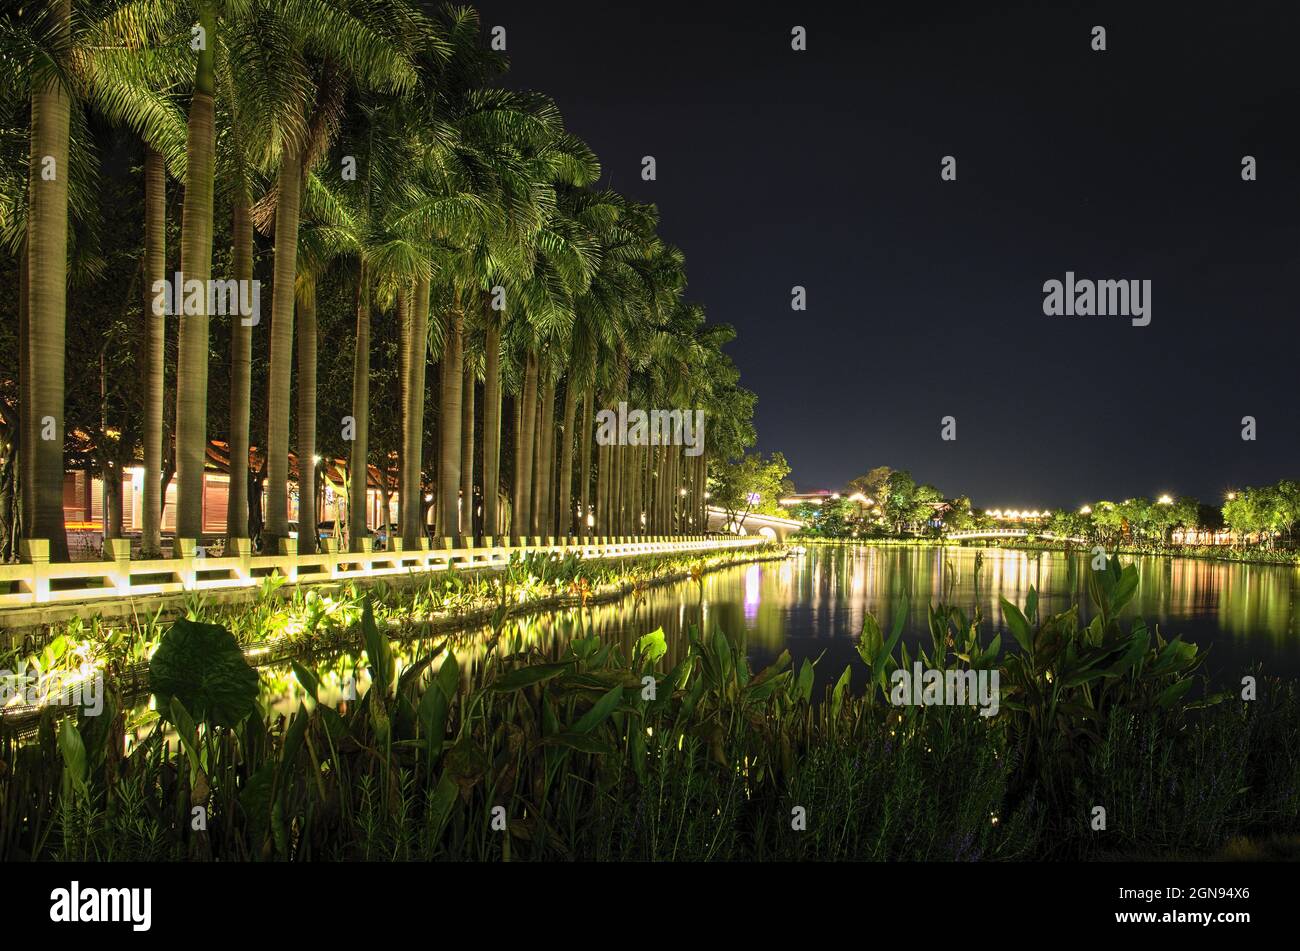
{"x": 47, "y": 257}
{"x": 374, "y": 60}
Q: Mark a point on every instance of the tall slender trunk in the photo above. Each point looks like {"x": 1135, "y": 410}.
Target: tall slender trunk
{"x": 544, "y": 468}
{"x": 241, "y": 374}
{"x": 357, "y": 470}
{"x": 282, "y": 301}
{"x": 417, "y": 351}
{"x": 155, "y": 272}
{"x": 47, "y": 243}
{"x": 26, "y": 429}
{"x": 602, "y": 490}
{"x": 522, "y": 500}
{"x": 564, "y": 506}
{"x": 196, "y": 265}
{"x": 584, "y": 462}
{"x": 450, "y": 388}
{"x": 467, "y": 453}
{"x": 491, "y": 423}
{"x": 307, "y": 344}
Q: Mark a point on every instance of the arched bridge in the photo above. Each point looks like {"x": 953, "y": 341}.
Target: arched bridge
{"x": 1011, "y": 533}
{"x": 773, "y": 526}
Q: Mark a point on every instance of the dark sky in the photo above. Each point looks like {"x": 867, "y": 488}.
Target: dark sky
{"x": 821, "y": 168}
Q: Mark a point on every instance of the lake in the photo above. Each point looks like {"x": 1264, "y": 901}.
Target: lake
{"x": 814, "y": 603}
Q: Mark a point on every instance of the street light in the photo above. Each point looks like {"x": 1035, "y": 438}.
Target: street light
{"x": 1086, "y": 510}
{"x": 1164, "y": 500}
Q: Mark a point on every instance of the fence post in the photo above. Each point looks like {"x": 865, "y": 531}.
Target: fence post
{"x": 289, "y": 551}
{"x": 184, "y": 551}
{"x": 36, "y": 552}
{"x": 118, "y": 551}
{"x": 242, "y": 548}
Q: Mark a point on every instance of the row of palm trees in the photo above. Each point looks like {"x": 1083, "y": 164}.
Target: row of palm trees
{"x": 372, "y": 144}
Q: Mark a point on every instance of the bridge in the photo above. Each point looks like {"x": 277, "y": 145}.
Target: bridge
{"x": 1011, "y": 533}
{"x": 773, "y": 527}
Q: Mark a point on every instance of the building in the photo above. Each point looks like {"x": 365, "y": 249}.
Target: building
{"x": 83, "y": 495}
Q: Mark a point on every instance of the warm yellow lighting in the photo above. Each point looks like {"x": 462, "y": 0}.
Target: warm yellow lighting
{"x": 1086, "y": 510}
{"x": 1164, "y": 500}
{"x": 1231, "y": 496}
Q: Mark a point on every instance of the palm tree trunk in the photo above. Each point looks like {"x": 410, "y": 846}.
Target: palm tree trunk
{"x": 196, "y": 265}
{"x": 282, "y": 301}
{"x": 449, "y": 420}
{"x": 602, "y": 490}
{"x": 522, "y": 500}
{"x": 416, "y": 347}
{"x": 241, "y": 376}
{"x": 544, "y": 466}
{"x": 565, "y": 504}
{"x": 584, "y": 462}
{"x": 467, "y": 453}
{"x": 155, "y": 276}
{"x": 307, "y": 343}
{"x": 26, "y": 427}
{"x": 491, "y": 423}
{"x": 357, "y": 470}
{"x": 47, "y": 243}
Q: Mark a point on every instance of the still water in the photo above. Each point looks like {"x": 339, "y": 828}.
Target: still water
{"x": 813, "y": 604}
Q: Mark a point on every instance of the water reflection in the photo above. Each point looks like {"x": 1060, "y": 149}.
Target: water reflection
{"x": 814, "y": 605}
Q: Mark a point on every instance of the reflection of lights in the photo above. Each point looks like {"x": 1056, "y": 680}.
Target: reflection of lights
{"x": 751, "y": 591}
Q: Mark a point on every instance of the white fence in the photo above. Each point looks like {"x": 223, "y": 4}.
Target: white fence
{"x": 38, "y": 582}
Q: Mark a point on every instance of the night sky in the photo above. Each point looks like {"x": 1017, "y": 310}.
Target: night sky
{"x": 925, "y": 297}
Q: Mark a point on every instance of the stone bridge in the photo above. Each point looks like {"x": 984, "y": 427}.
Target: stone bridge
{"x": 772, "y": 526}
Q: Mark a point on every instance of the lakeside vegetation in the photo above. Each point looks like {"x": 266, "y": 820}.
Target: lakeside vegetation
{"x": 570, "y": 752}
{"x": 285, "y": 623}
{"x": 1256, "y": 523}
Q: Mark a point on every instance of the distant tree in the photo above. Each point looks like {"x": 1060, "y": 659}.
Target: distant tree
{"x": 1243, "y": 512}
{"x": 899, "y": 495}
{"x": 874, "y": 485}
{"x": 959, "y": 517}
{"x": 751, "y": 485}
{"x": 1109, "y": 521}
{"x": 925, "y": 506}
{"x": 836, "y": 518}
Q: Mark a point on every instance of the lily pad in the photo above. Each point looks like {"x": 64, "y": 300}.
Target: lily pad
{"x": 202, "y": 666}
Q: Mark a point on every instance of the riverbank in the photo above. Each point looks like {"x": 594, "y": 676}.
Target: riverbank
{"x": 285, "y": 623}
{"x": 1203, "y": 552}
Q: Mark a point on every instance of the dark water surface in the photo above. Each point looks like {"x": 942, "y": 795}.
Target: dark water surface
{"x": 814, "y": 603}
